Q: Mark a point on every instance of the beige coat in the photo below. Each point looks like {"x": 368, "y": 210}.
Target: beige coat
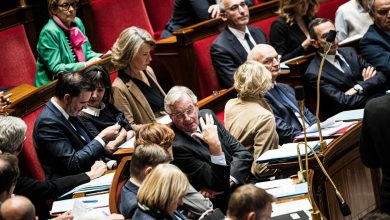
{"x": 129, "y": 98}
{"x": 252, "y": 122}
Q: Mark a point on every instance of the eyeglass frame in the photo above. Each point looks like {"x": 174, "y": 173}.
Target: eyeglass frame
{"x": 66, "y": 6}
{"x": 278, "y": 58}
{"x": 181, "y": 115}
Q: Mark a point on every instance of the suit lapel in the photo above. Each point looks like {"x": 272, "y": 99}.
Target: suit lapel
{"x": 332, "y": 73}
{"x": 236, "y": 45}
{"x": 139, "y": 96}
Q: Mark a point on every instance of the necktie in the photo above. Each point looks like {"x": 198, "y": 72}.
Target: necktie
{"x": 250, "y": 44}
{"x": 74, "y": 121}
{"x": 344, "y": 65}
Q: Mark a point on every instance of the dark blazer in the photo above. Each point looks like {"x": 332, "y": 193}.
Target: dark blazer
{"x": 192, "y": 156}
{"x": 128, "y": 202}
{"x": 334, "y": 83}
{"x": 287, "y": 124}
{"x": 287, "y": 39}
{"x": 375, "y": 48}
{"x": 374, "y": 143}
{"x": 60, "y": 148}
{"x": 227, "y": 54}
{"x": 40, "y": 191}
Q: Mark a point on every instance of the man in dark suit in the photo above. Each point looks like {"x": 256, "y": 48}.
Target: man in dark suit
{"x": 213, "y": 159}
{"x": 281, "y": 97}
{"x": 375, "y": 44}
{"x": 374, "y": 143}
{"x": 347, "y": 81}
{"x": 63, "y": 144}
{"x": 230, "y": 49}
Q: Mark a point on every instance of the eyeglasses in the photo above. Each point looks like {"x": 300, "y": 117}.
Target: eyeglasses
{"x": 382, "y": 11}
{"x": 270, "y": 60}
{"x": 181, "y": 115}
{"x": 66, "y": 6}
{"x": 236, "y": 6}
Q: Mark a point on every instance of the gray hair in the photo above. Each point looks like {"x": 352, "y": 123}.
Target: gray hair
{"x": 370, "y": 5}
{"x": 175, "y": 94}
{"x": 12, "y": 133}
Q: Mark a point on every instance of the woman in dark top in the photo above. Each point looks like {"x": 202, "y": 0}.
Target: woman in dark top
{"x": 289, "y": 33}
{"x": 136, "y": 90}
{"x": 100, "y": 112}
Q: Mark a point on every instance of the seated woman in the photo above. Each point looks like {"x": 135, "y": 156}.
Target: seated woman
{"x": 100, "y": 112}
{"x": 289, "y": 33}
{"x": 161, "y": 193}
{"x": 248, "y": 117}
{"x": 136, "y": 90}
{"x": 62, "y": 44}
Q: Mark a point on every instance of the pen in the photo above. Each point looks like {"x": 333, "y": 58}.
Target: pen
{"x": 90, "y": 201}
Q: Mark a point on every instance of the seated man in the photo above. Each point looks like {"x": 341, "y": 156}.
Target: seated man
{"x": 211, "y": 157}
{"x": 347, "y": 81}
{"x": 9, "y": 173}
{"x": 375, "y": 44}
{"x": 63, "y": 144}
{"x": 250, "y": 202}
{"x": 17, "y": 208}
{"x": 281, "y": 97}
{"x": 230, "y": 49}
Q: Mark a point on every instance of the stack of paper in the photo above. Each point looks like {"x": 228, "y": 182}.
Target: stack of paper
{"x": 283, "y": 188}
{"x": 336, "y": 129}
{"x": 90, "y": 202}
{"x": 290, "y": 208}
{"x": 351, "y": 115}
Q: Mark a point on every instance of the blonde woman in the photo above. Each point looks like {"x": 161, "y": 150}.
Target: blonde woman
{"x": 136, "y": 90}
{"x": 248, "y": 117}
{"x": 289, "y": 33}
{"x": 161, "y": 193}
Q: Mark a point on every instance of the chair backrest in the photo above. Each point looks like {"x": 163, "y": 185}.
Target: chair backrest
{"x": 265, "y": 25}
{"x": 159, "y": 13}
{"x": 121, "y": 176}
{"x": 17, "y": 63}
{"x": 111, "y": 17}
{"x": 328, "y": 9}
{"x": 28, "y": 158}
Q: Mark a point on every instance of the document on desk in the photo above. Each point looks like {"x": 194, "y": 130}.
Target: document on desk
{"x": 290, "y": 210}
{"x": 91, "y": 202}
{"x": 336, "y": 129}
{"x": 351, "y": 115}
{"x": 128, "y": 144}
{"x": 289, "y": 190}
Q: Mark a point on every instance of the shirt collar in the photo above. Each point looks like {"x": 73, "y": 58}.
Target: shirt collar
{"x": 239, "y": 34}
{"x": 94, "y": 111}
{"x": 63, "y": 112}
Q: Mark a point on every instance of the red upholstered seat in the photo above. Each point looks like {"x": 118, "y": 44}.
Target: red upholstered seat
{"x": 256, "y": 2}
{"x": 28, "y": 158}
{"x": 265, "y": 25}
{"x": 17, "y": 63}
{"x": 328, "y": 9}
{"x": 111, "y": 17}
{"x": 159, "y": 13}
{"x": 221, "y": 117}
{"x": 207, "y": 77}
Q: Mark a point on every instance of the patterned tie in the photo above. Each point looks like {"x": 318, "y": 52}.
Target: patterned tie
{"x": 250, "y": 44}
{"x": 344, "y": 65}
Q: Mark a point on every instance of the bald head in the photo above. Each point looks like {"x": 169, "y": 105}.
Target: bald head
{"x": 268, "y": 56}
{"x": 17, "y": 208}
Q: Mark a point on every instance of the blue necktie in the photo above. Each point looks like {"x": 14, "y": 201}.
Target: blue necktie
{"x": 248, "y": 40}
{"x": 344, "y": 65}
{"x": 75, "y": 122}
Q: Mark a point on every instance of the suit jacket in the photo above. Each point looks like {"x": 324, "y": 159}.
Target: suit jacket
{"x": 129, "y": 98}
{"x": 334, "y": 83}
{"x": 60, "y": 148}
{"x": 227, "y": 54}
{"x": 55, "y": 54}
{"x": 374, "y": 143}
{"x": 375, "y": 48}
{"x": 251, "y": 121}
{"x": 287, "y": 123}
{"x": 287, "y": 39}
{"x": 128, "y": 202}
{"x": 192, "y": 156}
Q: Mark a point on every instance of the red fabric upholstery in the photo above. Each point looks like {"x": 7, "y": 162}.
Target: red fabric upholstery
{"x": 159, "y": 13}
{"x": 111, "y": 17}
{"x": 207, "y": 77}
{"x": 265, "y": 25}
{"x": 328, "y": 9}
{"x": 221, "y": 117}
{"x": 113, "y": 76}
{"x": 17, "y": 63}
{"x": 256, "y": 2}
{"x": 28, "y": 158}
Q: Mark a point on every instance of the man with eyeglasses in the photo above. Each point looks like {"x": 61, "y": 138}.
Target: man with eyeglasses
{"x": 232, "y": 46}
{"x": 281, "y": 97}
{"x": 347, "y": 81}
{"x": 214, "y": 161}
{"x": 375, "y": 44}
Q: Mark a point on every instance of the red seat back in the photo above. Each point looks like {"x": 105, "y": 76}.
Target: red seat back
{"x": 159, "y": 13}
{"x": 111, "y": 17}
{"x": 221, "y": 117}
{"x": 207, "y": 76}
{"x": 265, "y": 25}
{"x": 328, "y": 9}
{"x": 28, "y": 158}
{"x": 256, "y": 2}
{"x": 17, "y": 63}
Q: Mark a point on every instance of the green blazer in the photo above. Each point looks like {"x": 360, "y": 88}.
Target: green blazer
{"x": 55, "y": 54}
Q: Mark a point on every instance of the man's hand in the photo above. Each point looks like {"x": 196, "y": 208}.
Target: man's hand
{"x": 110, "y": 133}
{"x": 368, "y": 72}
{"x": 208, "y": 193}
{"x": 97, "y": 169}
{"x": 214, "y": 11}
{"x": 351, "y": 91}
{"x": 209, "y": 135}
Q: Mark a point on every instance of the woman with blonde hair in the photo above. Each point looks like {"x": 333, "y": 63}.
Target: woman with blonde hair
{"x": 136, "y": 90}
{"x": 161, "y": 193}
{"x": 289, "y": 33}
{"x": 248, "y": 117}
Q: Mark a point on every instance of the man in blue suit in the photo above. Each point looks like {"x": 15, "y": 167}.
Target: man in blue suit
{"x": 281, "y": 97}
{"x": 230, "y": 49}
{"x": 347, "y": 81}
{"x": 63, "y": 143}
{"x": 375, "y": 44}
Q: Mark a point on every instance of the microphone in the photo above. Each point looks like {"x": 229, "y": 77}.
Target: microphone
{"x": 300, "y": 97}
{"x": 331, "y": 36}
